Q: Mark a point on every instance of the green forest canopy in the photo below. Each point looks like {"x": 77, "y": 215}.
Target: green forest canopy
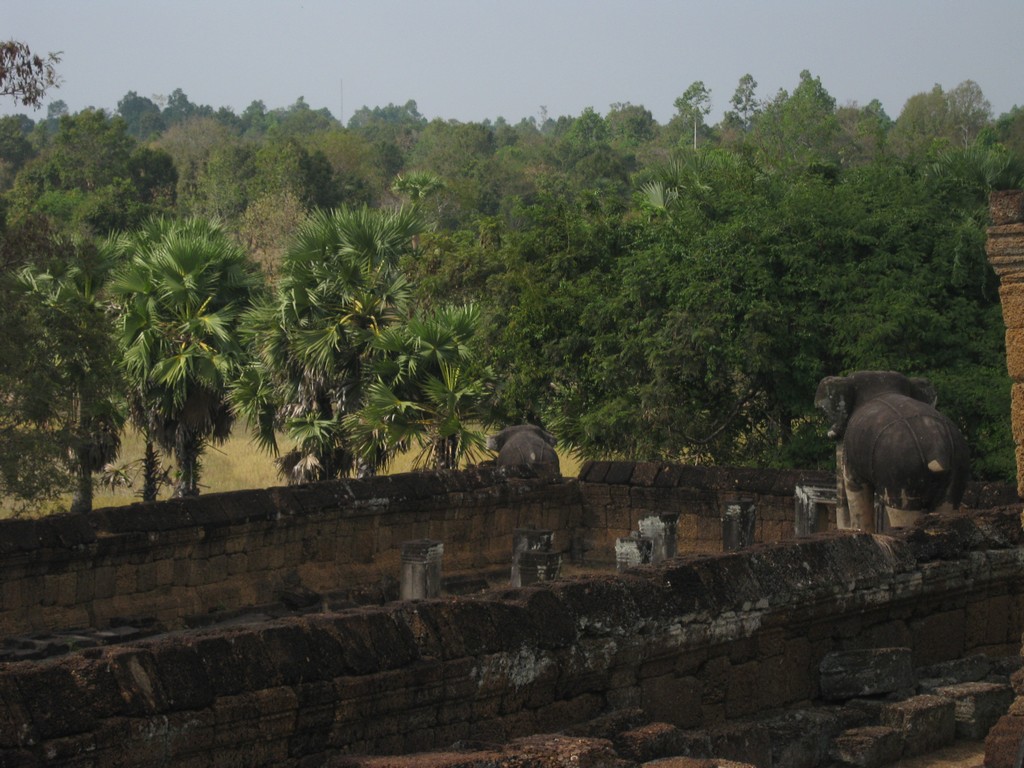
{"x": 651, "y": 291}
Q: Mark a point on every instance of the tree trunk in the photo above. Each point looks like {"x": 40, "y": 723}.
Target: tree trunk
{"x": 187, "y": 453}
{"x": 150, "y": 473}
{"x": 81, "y": 502}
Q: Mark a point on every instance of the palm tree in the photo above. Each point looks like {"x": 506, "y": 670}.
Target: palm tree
{"x": 181, "y": 296}
{"x": 340, "y": 287}
{"x": 83, "y": 409}
{"x": 429, "y": 388}
{"x": 418, "y": 185}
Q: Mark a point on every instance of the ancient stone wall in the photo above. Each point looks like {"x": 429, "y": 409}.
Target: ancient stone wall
{"x": 697, "y": 641}
{"x": 172, "y": 563}
{"x": 617, "y": 495}
{"x": 172, "y": 560}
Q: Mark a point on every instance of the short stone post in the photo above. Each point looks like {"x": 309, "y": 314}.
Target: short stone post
{"x": 536, "y": 565}
{"x": 812, "y": 508}
{"x": 421, "y": 569}
{"x": 632, "y": 550}
{"x": 739, "y": 522}
{"x": 527, "y": 540}
{"x": 661, "y": 530}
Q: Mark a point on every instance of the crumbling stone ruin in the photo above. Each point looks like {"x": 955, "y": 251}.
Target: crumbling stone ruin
{"x": 265, "y": 627}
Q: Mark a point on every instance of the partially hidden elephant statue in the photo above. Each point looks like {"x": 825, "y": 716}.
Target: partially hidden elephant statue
{"x": 894, "y": 447}
{"x": 524, "y": 444}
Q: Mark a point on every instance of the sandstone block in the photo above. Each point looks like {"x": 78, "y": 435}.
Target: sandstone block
{"x": 868, "y": 747}
{"x": 1003, "y": 742}
{"x": 978, "y": 706}
{"x": 851, "y": 674}
{"x": 1006, "y": 207}
{"x": 1015, "y": 353}
{"x": 926, "y": 722}
{"x": 742, "y": 742}
{"x": 696, "y": 762}
{"x": 673, "y": 699}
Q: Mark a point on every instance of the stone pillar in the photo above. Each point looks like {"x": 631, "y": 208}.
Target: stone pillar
{"x": 527, "y": 540}
{"x": 1005, "y": 250}
{"x": 421, "y": 569}
{"x": 1004, "y": 247}
{"x": 661, "y": 530}
{"x": 632, "y": 550}
{"x": 739, "y": 523}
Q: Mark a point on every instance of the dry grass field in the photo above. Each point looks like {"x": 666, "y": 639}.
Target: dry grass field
{"x": 238, "y": 464}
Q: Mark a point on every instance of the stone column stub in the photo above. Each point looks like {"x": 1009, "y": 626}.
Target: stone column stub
{"x": 421, "y": 569}
{"x": 633, "y": 550}
{"x": 528, "y": 540}
{"x": 538, "y": 566}
{"x": 739, "y": 524}
{"x": 662, "y": 531}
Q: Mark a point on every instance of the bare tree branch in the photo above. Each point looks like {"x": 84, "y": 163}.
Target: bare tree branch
{"x": 24, "y": 75}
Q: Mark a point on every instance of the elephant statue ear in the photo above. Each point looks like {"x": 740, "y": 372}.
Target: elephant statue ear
{"x": 928, "y": 393}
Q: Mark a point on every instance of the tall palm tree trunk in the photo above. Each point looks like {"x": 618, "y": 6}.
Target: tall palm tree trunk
{"x": 81, "y": 501}
{"x": 187, "y": 453}
{"x": 150, "y": 472}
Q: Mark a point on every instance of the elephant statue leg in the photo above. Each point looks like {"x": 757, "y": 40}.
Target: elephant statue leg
{"x": 842, "y": 507}
{"x": 860, "y": 498}
{"x": 855, "y": 509}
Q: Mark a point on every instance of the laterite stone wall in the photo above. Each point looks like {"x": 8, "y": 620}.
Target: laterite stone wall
{"x": 174, "y": 562}
{"x": 695, "y": 642}
{"x": 618, "y": 494}
{"x": 174, "y": 559}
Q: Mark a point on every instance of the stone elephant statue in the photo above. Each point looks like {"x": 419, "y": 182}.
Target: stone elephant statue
{"x": 524, "y": 444}
{"x": 894, "y": 448}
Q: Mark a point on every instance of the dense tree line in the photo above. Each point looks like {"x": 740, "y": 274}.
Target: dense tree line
{"x": 643, "y": 290}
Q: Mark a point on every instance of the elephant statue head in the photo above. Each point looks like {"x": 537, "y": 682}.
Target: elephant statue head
{"x": 894, "y": 446}
{"x": 524, "y": 444}
{"x": 837, "y": 396}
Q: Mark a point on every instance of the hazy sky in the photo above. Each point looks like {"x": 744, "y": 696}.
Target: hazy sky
{"x": 474, "y": 59}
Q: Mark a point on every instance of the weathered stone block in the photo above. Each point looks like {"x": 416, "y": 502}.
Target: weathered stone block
{"x": 673, "y": 700}
{"x": 1006, "y": 206}
{"x": 744, "y": 694}
{"x": 867, "y": 747}
{"x": 650, "y": 742}
{"x": 182, "y": 676}
{"x": 742, "y": 742}
{"x": 926, "y": 722}
{"x": 851, "y": 674}
{"x": 801, "y": 738}
{"x": 939, "y": 636}
{"x": 978, "y": 706}
{"x": 696, "y": 762}
{"x": 1003, "y": 742}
